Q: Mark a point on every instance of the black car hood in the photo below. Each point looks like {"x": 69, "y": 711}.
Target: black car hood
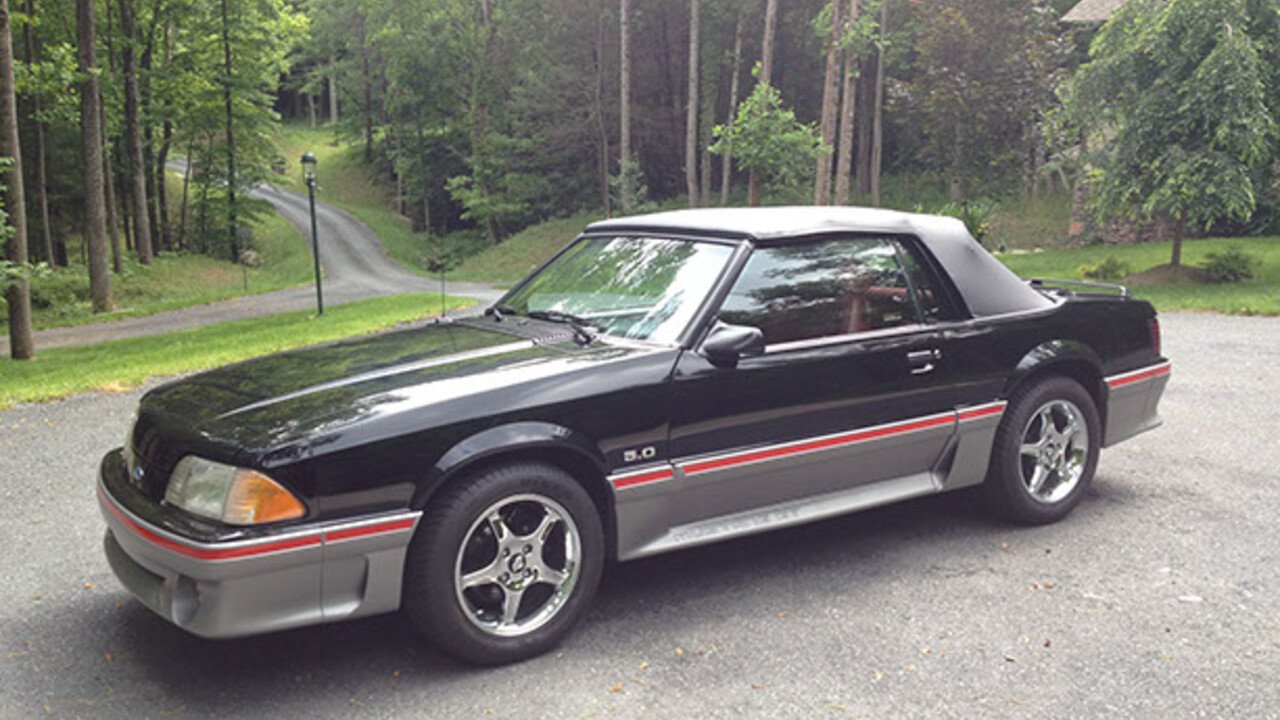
{"x": 304, "y": 396}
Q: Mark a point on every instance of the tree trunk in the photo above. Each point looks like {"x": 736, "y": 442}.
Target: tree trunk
{"x": 91, "y": 138}
{"x": 42, "y": 194}
{"x": 769, "y": 42}
{"x": 232, "y": 224}
{"x": 366, "y": 77}
{"x": 1179, "y": 234}
{"x": 18, "y": 292}
{"x": 186, "y": 186}
{"x": 726, "y": 162}
{"x": 109, "y": 190}
{"x": 830, "y": 95}
{"x": 132, "y": 137}
{"x": 877, "y": 128}
{"x": 706, "y": 120}
{"x": 848, "y": 115}
{"x": 333, "y": 91}
{"x": 766, "y": 77}
{"x": 865, "y": 94}
{"x": 597, "y": 110}
{"x": 624, "y": 110}
{"x": 164, "y": 231}
{"x": 691, "y": 116}
{"x": 311, "y": 108}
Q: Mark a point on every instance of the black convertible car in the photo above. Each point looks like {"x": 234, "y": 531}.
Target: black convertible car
{"x": 665, "y": 381}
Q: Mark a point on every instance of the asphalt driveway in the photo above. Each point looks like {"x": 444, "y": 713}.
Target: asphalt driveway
{"x": 1159, "y": 597}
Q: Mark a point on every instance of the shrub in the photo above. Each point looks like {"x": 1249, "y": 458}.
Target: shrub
{"x": 1232, "y": 265}
{"x": 1109, "y": 268}
{"x": 977, "y": 215}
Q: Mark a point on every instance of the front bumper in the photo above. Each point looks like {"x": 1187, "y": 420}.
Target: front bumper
{"x": 310, "y": 574}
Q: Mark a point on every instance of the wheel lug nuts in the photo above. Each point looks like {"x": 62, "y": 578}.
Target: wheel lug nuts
{"x": 505, "y": 552}
{"x": 505, "y": 577}
{"x": 528, "y": 549}
{"x": 528, "y": 573}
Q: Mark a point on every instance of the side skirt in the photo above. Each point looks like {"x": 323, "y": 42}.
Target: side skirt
{"x": 787, "y": 514}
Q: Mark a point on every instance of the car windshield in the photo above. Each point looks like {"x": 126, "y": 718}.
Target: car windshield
{"x": 633, "y": 287}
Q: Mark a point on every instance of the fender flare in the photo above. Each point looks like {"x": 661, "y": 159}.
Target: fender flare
{"x": 511, "y": 438}
{"x": 1069, "y": 355}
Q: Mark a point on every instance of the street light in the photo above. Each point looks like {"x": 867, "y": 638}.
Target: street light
{"x": 309, "y": 174}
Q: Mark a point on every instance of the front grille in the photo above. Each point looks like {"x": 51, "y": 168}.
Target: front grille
{"x": 155, "y": 457}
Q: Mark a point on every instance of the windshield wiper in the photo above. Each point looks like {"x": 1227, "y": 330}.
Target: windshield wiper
{"x": 579, "y": 324}
{"x": 498, "y": 310}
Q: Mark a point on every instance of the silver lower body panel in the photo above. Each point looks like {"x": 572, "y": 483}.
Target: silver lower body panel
{"x": 317, "y": 574}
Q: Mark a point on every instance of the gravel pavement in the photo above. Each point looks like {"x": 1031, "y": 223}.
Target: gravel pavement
{"x": 1158, "y": 598}
{"x": 356, "y": 267}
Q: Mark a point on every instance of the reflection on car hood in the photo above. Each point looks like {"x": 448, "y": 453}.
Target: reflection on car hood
{"x": 305, "y": 393}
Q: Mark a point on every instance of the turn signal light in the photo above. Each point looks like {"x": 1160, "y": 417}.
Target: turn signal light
{"x": 233, "y": 495}
{"x": 256, "y": 498}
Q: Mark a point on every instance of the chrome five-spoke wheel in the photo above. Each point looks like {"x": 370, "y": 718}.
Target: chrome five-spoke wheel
{"x": 505, "y": 561}
{"x": 517, "y": 565}
{"x": 1045, "y": 451}
{"x": 1055, "y": 448}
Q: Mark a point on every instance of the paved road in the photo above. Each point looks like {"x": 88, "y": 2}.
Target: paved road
{"x": 356, "y": 267}
{"x": 1157, "y": 598}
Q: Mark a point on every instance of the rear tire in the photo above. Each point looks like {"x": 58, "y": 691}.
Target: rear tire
{"x": 505, "y": 563}
{"x": 1045, "y": 452}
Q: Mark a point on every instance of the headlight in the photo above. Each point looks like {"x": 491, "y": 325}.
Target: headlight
{"x": 232, "y": 495}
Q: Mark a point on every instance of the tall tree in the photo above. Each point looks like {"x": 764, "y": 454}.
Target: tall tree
{"x": 877, "y": 126}
{"x": 17, "y": 289}
{"x": 765, "y": 78}
{"x": 625, "y": 159}
{"x": 691, "y": 118}
{"x": 233, "y": 225}
{"x": 133, "y": 134}
{"x": 830, "y": 97}
{"x": 38, "y": 128}
{"x": 598, "y": 111}
{"x": 726, "y": 158}
{"x": 1180, "y": 91}
{"x": 95, "y": 230}
{"x": 848, "y": 109}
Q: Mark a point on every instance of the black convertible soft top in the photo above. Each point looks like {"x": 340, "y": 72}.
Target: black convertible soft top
{"x": 989, "y": 288}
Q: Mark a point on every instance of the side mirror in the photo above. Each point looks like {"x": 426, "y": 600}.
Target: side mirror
{"x": 727, "y": 344}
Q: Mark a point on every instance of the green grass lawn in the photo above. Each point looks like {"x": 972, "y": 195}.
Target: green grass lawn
{"x": 122, "y": 364}
{"x": 523, "y": 252}
{"x": 174, "y": 280}
{"x": 1260, "y": 296}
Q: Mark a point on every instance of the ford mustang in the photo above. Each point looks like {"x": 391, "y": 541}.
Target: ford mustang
{"x": 665, "y": 381}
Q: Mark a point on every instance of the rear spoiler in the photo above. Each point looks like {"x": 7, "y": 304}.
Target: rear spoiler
{"x": 1090, "y": 288}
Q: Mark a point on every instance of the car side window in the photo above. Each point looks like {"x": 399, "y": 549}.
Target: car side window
{"x": 822, "y": 289}
{"x": 929, "y": 293}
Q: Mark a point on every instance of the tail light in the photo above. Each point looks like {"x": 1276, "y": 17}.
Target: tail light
{"x": 1154, "y": 325}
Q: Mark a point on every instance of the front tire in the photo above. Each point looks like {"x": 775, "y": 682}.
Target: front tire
{"x": 1045, "y": 452}
{"x": 505, "y": 563}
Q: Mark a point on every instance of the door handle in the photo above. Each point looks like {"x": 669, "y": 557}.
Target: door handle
{"x": 921, "y": 362}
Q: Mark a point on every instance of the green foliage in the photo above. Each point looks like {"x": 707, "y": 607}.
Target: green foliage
{"x": 1109, "y": 268}
{"x": 977, "y": 216}
{"x": 982, "y": 81}
{"x": 766, "y": 137}
{"x": 1232, "y": 265}
{"x": 1178, "y": 94}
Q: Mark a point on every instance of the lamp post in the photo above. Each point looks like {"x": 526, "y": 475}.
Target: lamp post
{"x": 309, "y": 174}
